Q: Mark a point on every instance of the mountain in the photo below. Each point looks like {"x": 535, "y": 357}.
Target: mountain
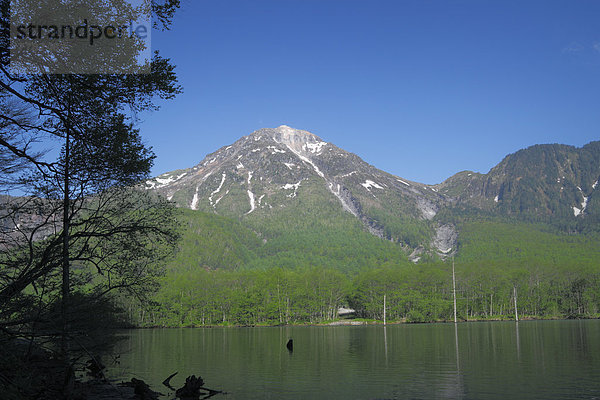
{"x": 286, "y": 181}
{"x": 545, "y": 182}
{"x": 293, "y": 173}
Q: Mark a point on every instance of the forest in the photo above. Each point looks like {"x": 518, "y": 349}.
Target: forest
{"x": 554, "y": 275}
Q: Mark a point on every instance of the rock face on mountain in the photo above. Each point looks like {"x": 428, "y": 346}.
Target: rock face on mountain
{"x": 291, "y": 172}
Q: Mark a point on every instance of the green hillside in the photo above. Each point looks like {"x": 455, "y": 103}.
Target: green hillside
{"x": 226, "y": 273}
{"x": 213, "y": 242}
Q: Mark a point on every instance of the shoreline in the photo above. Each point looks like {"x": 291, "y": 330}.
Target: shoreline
{"x": 361, "y": 322}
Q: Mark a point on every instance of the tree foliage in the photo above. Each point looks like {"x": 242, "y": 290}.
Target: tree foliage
{"x": 302, "y": 277}
{"x": 73, "y": 223}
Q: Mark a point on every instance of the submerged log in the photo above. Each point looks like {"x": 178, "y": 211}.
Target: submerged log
{"x": 193, "y": 388}
{"x": 141, "y": 390}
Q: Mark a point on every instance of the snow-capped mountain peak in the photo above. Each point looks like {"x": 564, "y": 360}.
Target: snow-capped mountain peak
{"x": 260, "y": 174}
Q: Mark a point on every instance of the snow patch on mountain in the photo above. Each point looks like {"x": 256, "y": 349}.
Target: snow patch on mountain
{"x": 369, "y": 184}
{"x": 159, "y": 182}
{"x": 294, "y": 186}
{"x": 210, "y": 198}
{"x": 291, "y": 185}
{"x": 219, "y": 199}
{"x": 401, "y": 181}
{"x": 170, "y": 179}
{"x": 194, "y": 205}
{"x": 252, "y": 203}
{"x": 275, "y": 150}
{"x": 295, "y": 141}
{"x": 348, "y": 174}
{"x": 314, "y": 147}
{"x": 578, "y": 211}
{"x": 289, "y": 165}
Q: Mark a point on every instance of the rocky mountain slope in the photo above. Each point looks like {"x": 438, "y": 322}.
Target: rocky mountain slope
{"x": 295, "y": 180}
{"x": 272, "y": 170}
{"x": 555, "y": 181}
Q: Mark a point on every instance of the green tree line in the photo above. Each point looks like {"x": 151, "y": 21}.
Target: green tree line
{"x": 420, "y": 293}
{"x": 229, "y": 276}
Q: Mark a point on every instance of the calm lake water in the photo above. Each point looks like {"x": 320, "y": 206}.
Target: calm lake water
{"x": 495, "y": 360}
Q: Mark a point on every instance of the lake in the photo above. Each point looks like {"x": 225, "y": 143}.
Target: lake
{"x": 477, "y": 360}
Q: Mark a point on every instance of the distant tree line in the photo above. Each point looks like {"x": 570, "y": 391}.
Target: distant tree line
{"x": 224, "y": 274}
{"x": 420, "y": 293}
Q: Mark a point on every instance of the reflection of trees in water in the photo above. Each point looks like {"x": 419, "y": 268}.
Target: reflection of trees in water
{"x": 424, "y": 361}
{"x": 452, "y": 387}
{"x": 385, "y": 344}
{"x": 518, "y": 341}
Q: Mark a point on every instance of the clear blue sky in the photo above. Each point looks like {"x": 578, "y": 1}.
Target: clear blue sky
{"x": 421, "y": 89}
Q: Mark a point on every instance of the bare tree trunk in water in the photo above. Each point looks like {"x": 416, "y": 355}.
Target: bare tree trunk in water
{"x": 516, "y": 313}
{"x": 454, "y": 290}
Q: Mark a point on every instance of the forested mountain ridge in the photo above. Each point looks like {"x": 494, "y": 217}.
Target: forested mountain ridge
{"x": 550, "y": 181}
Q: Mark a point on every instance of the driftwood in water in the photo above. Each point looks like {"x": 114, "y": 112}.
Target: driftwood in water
{"x": 141, "y": 389}
{"x": 167, "y": 382}
{"x": 290, "y": 345}
{"x": 193, "y": 389}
